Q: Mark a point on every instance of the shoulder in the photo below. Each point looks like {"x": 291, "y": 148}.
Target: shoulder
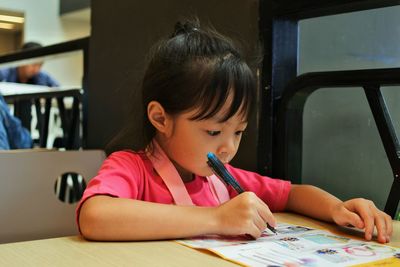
{"x": 241, "y": 172}
{"x": 255, "y": 179}
{"x": 8, "y": 74}
{"x": 126, "y": 158}
{"x": 124, "y": 169}
{"x": 274, "y": 192}
{"x": 126, "y": 163}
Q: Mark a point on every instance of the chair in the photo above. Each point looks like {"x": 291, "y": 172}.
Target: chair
{"x": 29, "y": 206}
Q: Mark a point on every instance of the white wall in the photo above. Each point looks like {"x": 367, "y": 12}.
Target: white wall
{"x": 43, "y": 24}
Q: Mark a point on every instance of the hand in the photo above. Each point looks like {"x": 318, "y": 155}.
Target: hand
{"x": 363, "y": 214}
{"x": 244, "y": 214}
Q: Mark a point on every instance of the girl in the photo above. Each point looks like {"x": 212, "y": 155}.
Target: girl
{"x": 197, "y": 95}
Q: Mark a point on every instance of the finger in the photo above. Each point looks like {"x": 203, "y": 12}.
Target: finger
{"x": 389, "y": 226}
{"x": 364, "y": 211}
{"x": 380, "y": 228}
{"x": 351, "y": 218}
{"x": 260, "y": 223}
{"x": 266, "y": 214}
{"x": 368, "y": 220}
{"x": 268, "y": 218}
{"x": 254, "y": 232}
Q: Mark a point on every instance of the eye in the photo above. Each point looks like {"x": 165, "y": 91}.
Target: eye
{"x": 238, "y": 133}
{"x": 213, "y": 133}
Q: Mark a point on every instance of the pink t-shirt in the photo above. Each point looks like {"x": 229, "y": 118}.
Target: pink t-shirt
{"x": 127, "y": 174}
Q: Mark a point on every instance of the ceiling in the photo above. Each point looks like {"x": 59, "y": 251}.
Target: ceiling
{"x": 11, "y": 21}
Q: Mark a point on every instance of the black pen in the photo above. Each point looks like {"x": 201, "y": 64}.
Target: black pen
{"x": 220, "y": 171}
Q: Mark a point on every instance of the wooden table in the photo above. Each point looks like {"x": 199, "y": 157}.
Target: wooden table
{"x": 75, "y": 251}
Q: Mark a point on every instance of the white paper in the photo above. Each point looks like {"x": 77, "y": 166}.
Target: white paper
{"x": 294, "y": 244}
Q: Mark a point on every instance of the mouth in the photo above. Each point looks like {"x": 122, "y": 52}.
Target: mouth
{"x": 224, "y": 161}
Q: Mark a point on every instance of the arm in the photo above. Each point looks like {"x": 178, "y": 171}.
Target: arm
{"x": 312, "y": 201}
{"x": 5, "y": 74}
{"x": 13, "y": 133}
{"x": 107, "y": 218}
{"x": 45, "y": 79}
{"x": 361, "y": 213}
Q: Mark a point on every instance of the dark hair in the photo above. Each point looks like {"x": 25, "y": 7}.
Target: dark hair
{"x": 197, "y": 69}
{"x": 30, "y": 45}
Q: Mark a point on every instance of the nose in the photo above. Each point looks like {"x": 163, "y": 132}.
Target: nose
{"x": 227, "y": 150}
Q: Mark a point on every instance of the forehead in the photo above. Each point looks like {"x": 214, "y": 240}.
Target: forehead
{"x": 32, "y": 65}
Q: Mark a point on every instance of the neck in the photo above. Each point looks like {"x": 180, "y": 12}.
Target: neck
{"x": 185, "y": 175}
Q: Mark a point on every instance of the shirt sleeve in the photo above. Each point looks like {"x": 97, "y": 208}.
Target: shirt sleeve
{"x": 8, "y": 75}
{"x": 52, "y": 82}
{"x": 274, "y": 192}
{"x": 42, "y": 78}
{"x": 119, "y": 176}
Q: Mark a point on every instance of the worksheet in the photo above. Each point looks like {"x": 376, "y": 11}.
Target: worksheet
{"x": 295, "y": 245}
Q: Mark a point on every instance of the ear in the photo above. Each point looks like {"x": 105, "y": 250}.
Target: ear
{"x": 158, "y": 117}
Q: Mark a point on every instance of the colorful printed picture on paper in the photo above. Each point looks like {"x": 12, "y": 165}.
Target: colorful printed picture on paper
{"x": 332, "y": 255}
{"x": 325, "y": 239}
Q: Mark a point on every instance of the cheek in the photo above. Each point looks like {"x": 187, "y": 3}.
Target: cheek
{"x": 192, "y": 157}
{"x": 190, "y": 153}
{"x": 238, "y": 142}
{"x": 182, "y": 148}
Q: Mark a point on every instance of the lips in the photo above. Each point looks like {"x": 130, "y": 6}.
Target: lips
{"x": 225, "y": 161}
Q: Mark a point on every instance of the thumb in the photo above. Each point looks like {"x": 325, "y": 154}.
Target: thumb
{"x": 347, "y": 217}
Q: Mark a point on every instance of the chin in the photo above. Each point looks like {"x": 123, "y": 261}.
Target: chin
{"x": 206, "y": 173}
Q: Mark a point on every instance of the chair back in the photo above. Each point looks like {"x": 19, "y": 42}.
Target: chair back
{"x": 29, "y": 206}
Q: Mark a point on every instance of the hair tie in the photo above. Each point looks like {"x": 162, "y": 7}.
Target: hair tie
{"x": 185, "y": 28}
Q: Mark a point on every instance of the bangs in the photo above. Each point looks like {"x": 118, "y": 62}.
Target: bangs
{"x": 225, "y": 79}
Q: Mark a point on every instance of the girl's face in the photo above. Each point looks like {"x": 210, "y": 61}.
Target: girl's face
{"x": 190, "y": 141}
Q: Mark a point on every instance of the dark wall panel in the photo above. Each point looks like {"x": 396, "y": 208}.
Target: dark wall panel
{"x": 73, "y": 5}
{"x": 123, "y": 32}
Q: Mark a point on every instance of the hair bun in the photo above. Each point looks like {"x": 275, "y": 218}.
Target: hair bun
{"x": 186, "y": 27}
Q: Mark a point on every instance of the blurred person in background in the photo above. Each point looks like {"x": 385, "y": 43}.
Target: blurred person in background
{"x": 27, "y": 74}
{"x": 12, "y": 134}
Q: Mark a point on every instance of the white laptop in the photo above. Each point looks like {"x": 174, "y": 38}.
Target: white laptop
{"x": 29, "y": 206}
